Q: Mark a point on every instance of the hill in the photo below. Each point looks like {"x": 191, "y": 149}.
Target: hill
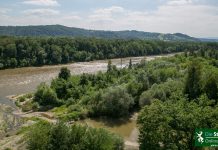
{"x": 59, "y": 30}
{"x": 209, "y": 39}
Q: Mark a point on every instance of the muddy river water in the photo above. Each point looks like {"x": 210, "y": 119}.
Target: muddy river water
{"x": 24, "y": 80}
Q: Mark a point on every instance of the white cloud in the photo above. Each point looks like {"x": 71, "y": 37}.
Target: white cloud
{"x": 41, "y": 12}
{"x": 179, "y": 2}
{"x": 42, "y": 2}
{"x": 112, "y": 9}
{"x": 175, "y": 16}
{"x": 106, "y": 14}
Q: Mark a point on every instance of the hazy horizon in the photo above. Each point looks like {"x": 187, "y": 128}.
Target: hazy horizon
{"x": 197, "y": 18}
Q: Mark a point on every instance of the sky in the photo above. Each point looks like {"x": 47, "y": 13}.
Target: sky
{"x": 198, "y": 18}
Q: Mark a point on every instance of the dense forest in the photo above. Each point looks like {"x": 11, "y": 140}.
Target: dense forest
{"x": 30, "y": 51}
{"x": 175, "y": 96}
{"x": 59, "y": 30}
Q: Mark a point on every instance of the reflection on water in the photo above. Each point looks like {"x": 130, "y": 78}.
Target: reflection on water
{"x": 125, "y": 127}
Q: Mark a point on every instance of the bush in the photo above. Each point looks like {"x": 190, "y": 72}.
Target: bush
{"x": 38, "y": 136}
{"x": 27, "y": 106}
{"x": 165, "y": 91}
{"x": 35, "y": 106}
{"x": 59, "y": 86}
{"x": 45, "y": 96}
{"x": 21, "y": 99}
{"x": 145, "y": 99}
{"x": 114, "y": 102}
{"x": 64, "y": 73}
{"x": 61, "y": 137}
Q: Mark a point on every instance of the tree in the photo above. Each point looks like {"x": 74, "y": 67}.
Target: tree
{"x": 13, "y": 62}
{"x": 1, "y": 65}
{"x": 10, "y": 51}
{"x": 38, "y": 136}
{"x": 211, "y": 87}
{"x": 64, "y": 73}
{"x": 1, "y": 51}
{"x": 65, "y": 57}
{"x": 60, "y": 87}
{"x": 109, "y": 66}
{"x": 83, "y": 80}
{"x": 56, "y": 54}
{"x": 166, "y": 125}
{"x": 41, "y": 56}
{"x": 192, "y": 84}
{"x": 45, "y": 96}
{"x": 114, "y": 102}
{"x": 59, "y": 137}
{"x": 130, "y": 64}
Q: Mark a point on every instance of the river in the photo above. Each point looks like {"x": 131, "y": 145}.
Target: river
{"x": 24, "y": 80}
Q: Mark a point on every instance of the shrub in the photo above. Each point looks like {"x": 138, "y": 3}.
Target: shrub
{"x": 64, "y": 73}
{"x": 27, "y": 106}
{"x": 62, "y": 137}
{"x": 21, "y": 99}
{"x": 38, "y": 136}
{"x": 113, "y": 102}
{"x": 45, "y": 96}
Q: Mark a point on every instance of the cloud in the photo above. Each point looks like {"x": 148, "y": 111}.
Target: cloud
{"x": 41, "y": 12}
{"x": 106, "y": 14}
{"x": 186, "y": 16}
{"x": 4, "y": 10}
{"x": 174, "y": 16}
{"x": 109, "y": 10}
{"x": 179, "y": 2}
{"x": 41, "y": 2}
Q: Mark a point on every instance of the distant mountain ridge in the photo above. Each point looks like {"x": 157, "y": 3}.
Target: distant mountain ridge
{"x": 209, "y": 39}
{"x": 59, "y": 30}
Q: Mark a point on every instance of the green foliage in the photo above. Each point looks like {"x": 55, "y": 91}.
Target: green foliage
{"x": 83, "y": 80}
{"x": 37, "y": 51}
{"x": 28, "y": 106}
{"x": 109, "y": 66}
{"x": 211, "y": 87}
{"x": 46, "y": 96}
{"x": 59, "y": 86}
{"x": 176, "y": 94}
{"x": 193, "y": 85}
{"x": 164, "y": 91}
{"x": 130, "y": 64}
{"x": 166, "y": 125}
{"x": 58, "y": 137}
{"x": 114, "y": 102}
{"x": 76, "y": 137}
{"x": 38, "y": 136}
{"x": 71, "y": 113}
{"x": 64, "y": 73}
